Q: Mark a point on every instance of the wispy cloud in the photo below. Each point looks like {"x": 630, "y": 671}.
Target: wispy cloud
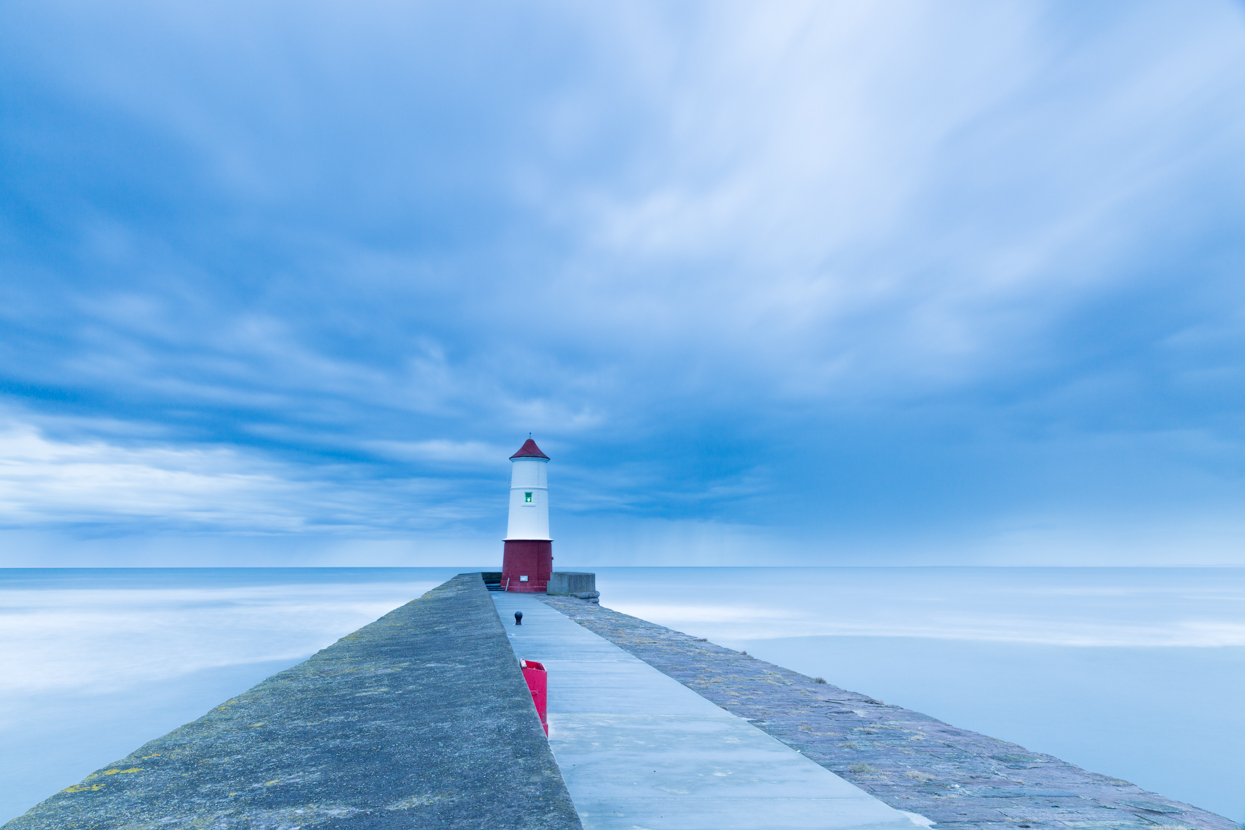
{"x": 813, "y": 265}
{"x": 156, "y": 487}
{"x": 43, "y": 481}
{"x": 465, "y": 453}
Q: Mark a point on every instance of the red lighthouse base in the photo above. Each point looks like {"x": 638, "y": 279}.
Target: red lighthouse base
{"x": 532, "y": 559}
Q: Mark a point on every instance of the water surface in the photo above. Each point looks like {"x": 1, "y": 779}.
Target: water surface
{"x": 1136, "y": 673}
{"x": 99, "y": 661}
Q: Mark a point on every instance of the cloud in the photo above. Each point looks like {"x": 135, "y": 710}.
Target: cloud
{"x": 155, "y": 488}
{"x": 819, "y": 266}
{"x": 903, "y": 216}
{"x": 469, "y": 453}
{"x": 48, "y": 483}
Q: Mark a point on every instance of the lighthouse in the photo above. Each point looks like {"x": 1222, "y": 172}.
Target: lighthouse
{"x": 528, "y": 558}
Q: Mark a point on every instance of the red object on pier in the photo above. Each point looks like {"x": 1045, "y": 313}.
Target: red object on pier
{"x": 538, "y": 684}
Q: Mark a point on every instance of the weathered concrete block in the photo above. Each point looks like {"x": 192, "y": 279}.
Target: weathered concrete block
{"x": 572, "y": 583}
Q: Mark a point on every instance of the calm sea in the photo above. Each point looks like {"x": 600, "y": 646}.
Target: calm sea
{"x": 1136, "y": 673}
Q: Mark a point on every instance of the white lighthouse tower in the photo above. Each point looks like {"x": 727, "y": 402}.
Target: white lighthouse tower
{"x": 528, "y": 558}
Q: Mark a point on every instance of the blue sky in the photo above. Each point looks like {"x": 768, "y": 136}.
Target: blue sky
{"x": 818, "y": 283}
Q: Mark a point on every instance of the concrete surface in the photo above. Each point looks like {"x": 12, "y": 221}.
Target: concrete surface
{"x": 419, "y": 720}
{"x": 573, "y": 583}
{"x": 960, "y": 779}
{"x": 639, "y": 750}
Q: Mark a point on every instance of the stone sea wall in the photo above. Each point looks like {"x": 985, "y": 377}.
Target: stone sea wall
{"x": 422, "y": 720}
{"x": 956, "y": 778}
{"x": 419, "y": 720}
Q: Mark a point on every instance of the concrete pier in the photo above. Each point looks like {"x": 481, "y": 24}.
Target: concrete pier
{"x": 419, "y": 720}
{"x": 961, "y": 780}
{"x": 422, "y": 720}
{"x": 638, "y": 749}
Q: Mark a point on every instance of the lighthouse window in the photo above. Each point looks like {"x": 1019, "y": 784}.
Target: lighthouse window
{"x": 527, "y": 498}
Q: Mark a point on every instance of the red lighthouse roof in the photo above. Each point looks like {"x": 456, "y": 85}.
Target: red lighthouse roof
{"x": 529, "y": 450}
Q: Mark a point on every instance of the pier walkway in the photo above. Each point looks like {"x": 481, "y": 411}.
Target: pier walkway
{"x": 960, "y": 779}
{"x": 638, "y": 749}
{"x": 422, "y": 720}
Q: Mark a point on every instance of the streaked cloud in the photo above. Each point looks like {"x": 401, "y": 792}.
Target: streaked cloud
{"x": 154, "y": 488}
{"x": 885, "y": 273}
